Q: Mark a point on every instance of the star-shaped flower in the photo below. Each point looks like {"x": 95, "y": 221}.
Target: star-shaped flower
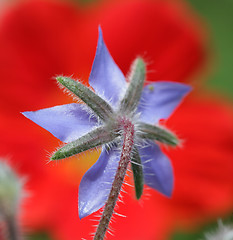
{"x": 113, "y": 103}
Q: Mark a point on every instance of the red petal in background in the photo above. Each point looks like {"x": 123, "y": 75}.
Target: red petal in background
{"x": 39, "y": 40}
{"x": 203, "y": 167}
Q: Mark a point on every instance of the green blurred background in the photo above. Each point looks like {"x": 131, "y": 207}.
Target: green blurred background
{"x": 218, "y": 17}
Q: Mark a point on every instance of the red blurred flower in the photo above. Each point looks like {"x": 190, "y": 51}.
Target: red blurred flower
{"x": 39, "y": 40}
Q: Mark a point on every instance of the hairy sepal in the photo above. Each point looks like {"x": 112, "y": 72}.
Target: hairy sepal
{"x": 133, "y": 94}
{"x": 148, "y": 131}
{"x": 99, "y": 106}
{"x": 93, "y": 139}
{"x": 136, "y": 166}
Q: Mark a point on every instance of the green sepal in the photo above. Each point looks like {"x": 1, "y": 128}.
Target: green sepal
{"x": 100, "y": 107}
{"x": 133, "y": 94}
{"x": 147, "y": 131}
{"x": 93, "y": 139}
{"x": 136, "y": 166}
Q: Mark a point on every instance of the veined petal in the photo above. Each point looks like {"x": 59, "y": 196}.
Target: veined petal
{"x": 159, "y": 100}
{"x": 157, "y": 169}
{"x": 66, "y": 122}
{"x": 96, "y": 184}
{"x": 106, "y": 78}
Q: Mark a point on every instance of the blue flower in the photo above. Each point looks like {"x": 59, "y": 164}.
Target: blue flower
{"x": 83, "y": 129}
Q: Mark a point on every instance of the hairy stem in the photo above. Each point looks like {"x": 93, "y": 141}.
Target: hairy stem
{"x": 118, "y": 180}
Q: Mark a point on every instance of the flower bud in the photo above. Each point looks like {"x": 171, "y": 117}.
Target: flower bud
{"x": 10, "y": 190}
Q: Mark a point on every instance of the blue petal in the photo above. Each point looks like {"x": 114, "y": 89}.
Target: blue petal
{"x": 157, "y": 169}
{"x": 106, "y": 78}
{"x": 96, "y": 184}
{"x": 66, "y": 122}
{"x": 159, "y": 100}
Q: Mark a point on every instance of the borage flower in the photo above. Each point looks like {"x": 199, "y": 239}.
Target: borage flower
{"x": 115, "y": 108}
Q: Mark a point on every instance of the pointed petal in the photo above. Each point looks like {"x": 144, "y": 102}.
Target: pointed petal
{"x": 157, "y": 169}
{"x": 96, "y": 184}
{"x": 106, "y": 78}
{"x": 66, "y": 122}
{"x": 159, "y": 100}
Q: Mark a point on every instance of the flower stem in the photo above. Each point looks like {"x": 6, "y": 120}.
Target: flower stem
{"x": 128, "y": 128}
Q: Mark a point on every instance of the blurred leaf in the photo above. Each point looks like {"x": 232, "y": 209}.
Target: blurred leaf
{"x": 38, "y": 236}
{"x": 198, "y": 235}
{"x": 85, "y": 1}
{"x": 183, "y": 236}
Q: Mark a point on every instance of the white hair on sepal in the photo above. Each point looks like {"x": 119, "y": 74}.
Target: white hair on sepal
{"x": 78, "y": 100}
{"x": 181, "y": 141}
{"x": 50, "y": 154}
{"x": 135, "y": 163}
{"x": 136, "y": 118}
{"x": 132, "y": 68}
{"x": 143, "y": 102}
{"x": 108, "y": 146}
{"x": 143, "y": 142}
{"x": 87, "y": 109}
{"x": 67, "y": 91}
{"x": 147, "y": 161}
{"x": 146, "y": 196}
{"x": 150, "y": 174}
{"x": 81, "y": 154}
{"x": 102, "y": 95}
{"x": 91, "y": 114}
